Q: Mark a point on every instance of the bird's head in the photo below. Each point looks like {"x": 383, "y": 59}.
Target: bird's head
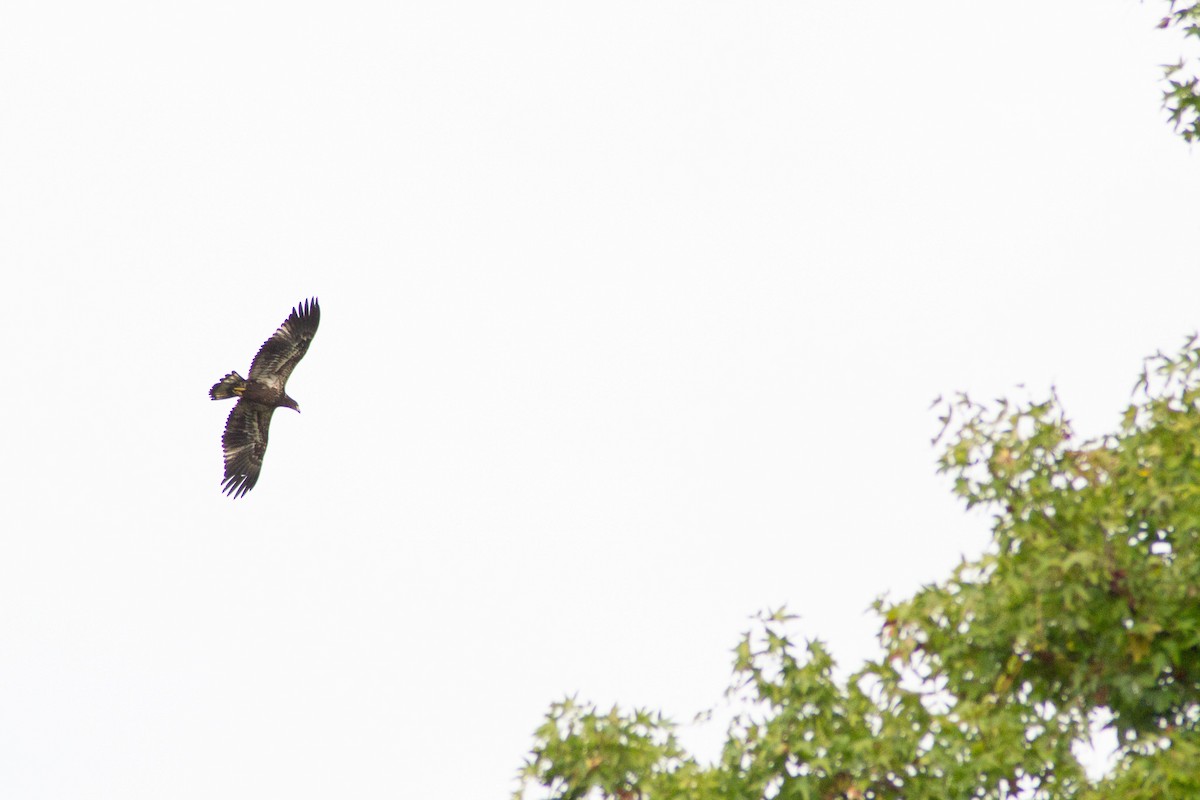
{"x": 288, "y": 402}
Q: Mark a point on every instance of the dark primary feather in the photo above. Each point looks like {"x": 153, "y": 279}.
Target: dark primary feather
{"x": 244, "y": 443}
{"x": 279, "y": 355}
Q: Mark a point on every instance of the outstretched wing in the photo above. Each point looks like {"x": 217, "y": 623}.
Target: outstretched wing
{"x": 279, "y": 355}
{"x": 244, "y": 443}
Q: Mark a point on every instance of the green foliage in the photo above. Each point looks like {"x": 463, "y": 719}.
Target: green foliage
{"x": 1182, "y": 98}
{"x": 1086, "y": 607}
{"x": 618, "y": 755}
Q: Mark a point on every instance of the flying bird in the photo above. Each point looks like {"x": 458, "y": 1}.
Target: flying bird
{"x": 245, "y": 438}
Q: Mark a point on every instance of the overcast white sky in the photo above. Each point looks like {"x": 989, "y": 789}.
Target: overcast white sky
{"x": 631, "y": 317}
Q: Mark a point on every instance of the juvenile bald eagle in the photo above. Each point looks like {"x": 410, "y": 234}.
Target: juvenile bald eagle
{"x": 245, "y": 438}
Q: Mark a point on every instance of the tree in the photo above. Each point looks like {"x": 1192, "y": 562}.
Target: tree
{"x": 1182, "y": 97}
{"x": 1086, "y": 607}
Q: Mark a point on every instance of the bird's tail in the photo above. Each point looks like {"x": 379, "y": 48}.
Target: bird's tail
{"x": 232, "y": 385}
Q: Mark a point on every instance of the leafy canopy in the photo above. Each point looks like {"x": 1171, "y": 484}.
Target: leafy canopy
{"x": 1085, "y": 608}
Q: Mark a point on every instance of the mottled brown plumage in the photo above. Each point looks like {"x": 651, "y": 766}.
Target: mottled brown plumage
{"x": 245, "y": 439}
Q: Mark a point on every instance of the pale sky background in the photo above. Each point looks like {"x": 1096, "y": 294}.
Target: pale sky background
{"x": 632, "y": 314}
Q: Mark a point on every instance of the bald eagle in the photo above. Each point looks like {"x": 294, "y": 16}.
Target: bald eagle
{"x": 245, "y": 438}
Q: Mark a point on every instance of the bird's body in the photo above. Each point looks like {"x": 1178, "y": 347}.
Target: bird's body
{"x": 245, "y": 438}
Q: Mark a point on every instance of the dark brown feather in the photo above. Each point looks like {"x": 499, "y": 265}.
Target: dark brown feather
{"x": 245, "y": 443}
{"x": 280, "y": 354}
